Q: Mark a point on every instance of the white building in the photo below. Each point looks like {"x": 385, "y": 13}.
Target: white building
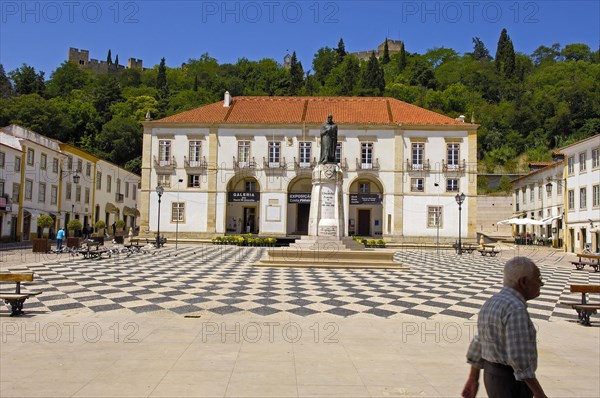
{"x": 49, "y": 177}
{"x": 539, "y": 196}
{"x": 245, "y": 165}
{"x": 582, "y": 216}
{"x": 564, "y": 196}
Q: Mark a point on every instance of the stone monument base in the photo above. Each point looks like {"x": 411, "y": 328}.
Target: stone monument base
{"x": 295, "y": 257}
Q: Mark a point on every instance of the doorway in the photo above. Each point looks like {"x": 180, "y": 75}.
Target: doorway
{"x": 572, "y": 240}
{"x": 26, "y": 225}
{"x": 302, "y": 218}
{"x": 250, "y": 220}
{"x": 364, "y": 222}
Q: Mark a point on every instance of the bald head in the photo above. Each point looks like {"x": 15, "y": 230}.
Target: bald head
{"x": 516, "y": 268}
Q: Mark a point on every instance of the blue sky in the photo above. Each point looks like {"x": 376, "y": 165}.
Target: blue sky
{"x": 39, "y": 33}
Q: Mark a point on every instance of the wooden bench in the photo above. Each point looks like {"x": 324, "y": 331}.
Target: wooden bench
{"x": 17, "y": 298}
{"x": 584, "y": 308}
{"x": 593, "y": 260}
{"x": 488, "y": 250}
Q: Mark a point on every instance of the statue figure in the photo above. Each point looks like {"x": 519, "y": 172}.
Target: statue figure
{"x": 329, "y": 133}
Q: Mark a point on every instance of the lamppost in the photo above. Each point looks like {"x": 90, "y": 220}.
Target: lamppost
{"x": 178, "y": 215}
{"x": 459, "y": 199}
{"x": 159, "y": 190}
{"x": 437, "y": 219}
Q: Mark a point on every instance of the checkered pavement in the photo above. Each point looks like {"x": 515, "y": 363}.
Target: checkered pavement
{"x": 222, "y": 280}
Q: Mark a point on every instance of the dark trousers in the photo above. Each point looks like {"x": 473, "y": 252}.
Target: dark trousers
{"x": 500, "y": 382}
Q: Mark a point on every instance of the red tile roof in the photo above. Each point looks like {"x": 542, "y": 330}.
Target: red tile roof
{"x": 345, "y": 110}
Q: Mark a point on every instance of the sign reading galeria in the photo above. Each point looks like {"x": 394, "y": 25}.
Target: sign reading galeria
{"x": 303, "y": 197}
{"x": 243, "y": 196}
{"x": 366, "y": 198}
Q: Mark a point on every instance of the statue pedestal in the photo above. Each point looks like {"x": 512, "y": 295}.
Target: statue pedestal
{"x": 326, "y": 217}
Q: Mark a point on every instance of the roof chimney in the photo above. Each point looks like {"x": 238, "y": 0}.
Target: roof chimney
{"x": 227, "y": 99}
{"x": 461, "y": 118}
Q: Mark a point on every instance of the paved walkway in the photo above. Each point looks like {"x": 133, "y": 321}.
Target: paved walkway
{"x": 206, "y": 323}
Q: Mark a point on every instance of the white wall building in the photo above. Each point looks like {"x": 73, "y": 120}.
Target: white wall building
{"x": 245, "y": 165}
{"x": 582, "y": 196}
{"x": 49, "y": 177}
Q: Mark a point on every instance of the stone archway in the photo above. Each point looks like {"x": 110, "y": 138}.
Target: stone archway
{"x": 242, "y": 213}
{"x": 298, "y": 205}
{"x": 365, "y": 207}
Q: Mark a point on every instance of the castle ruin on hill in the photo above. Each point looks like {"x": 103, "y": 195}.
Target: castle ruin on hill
{"x": 82, "y": 59}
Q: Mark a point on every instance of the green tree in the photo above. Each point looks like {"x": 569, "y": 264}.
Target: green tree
{"x": 577, "y": 52}
{"x": 402, "y": 62}
{"x": 323, "y": 62}
{"x": 544, "y": 54}
{"x": 6, "y": 89}
{"x": 340, "y": 51}
{"x": 27, "y": 81}
{"x": 480, "y": 52}
{"x": 109, "y": 58}
{"x": 505, "y": 55}
{"x": 120, "y": 141}
{"x": 386, "y": 53}
{"x": 66, "y": 78}
{"x": 33, "y": 112}
{"x": 296, "y": 75}
{"x": 373, "y": 82}
{"x": 117, "y": 60}
{"x": 161, "y": 78}
{"x": 106, "y": 91}
{"x": 135, "y": 108}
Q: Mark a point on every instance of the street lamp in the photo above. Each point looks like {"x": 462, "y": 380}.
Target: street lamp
{"x": 459, "y": 199}
{"x": 159, "y": 190}
{"x": 437, "y": 219}
{"x": 178, "y": 215}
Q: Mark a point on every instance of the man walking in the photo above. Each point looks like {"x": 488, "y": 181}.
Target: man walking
{"x": 505, "y": 344}
{"x": 60, "y": 235}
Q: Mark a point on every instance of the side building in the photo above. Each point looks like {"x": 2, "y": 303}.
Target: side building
{"x": 244, "y": 165}
{"x": 60, "y": 180}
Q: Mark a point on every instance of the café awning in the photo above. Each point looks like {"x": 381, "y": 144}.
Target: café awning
{"x": 520, "y": 221}
{"x": 111, "y": 208}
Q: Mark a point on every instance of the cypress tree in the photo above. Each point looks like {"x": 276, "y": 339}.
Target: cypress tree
{"x": 161, "y": 78}
{"x": 5, "y": 85}
{"x": 402, "y": 57}
{"x": 117, "y": 60}
{"x": 296, "y": 75}
{"x": 505, "y": 55}
{"x": 109, "y": 58}
{"x": 373, "y": 80}
{"x": 196, "y": 82}
{"x": 386, "y": 53}
{"x": 480, "y": 52}
{"x": 341, "y": 51}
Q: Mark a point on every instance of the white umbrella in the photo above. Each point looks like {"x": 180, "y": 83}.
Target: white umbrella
{"x": 521, "y": 221}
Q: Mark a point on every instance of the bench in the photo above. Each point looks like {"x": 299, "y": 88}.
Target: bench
{"x": 583, "y": 259}
{"x": 488, "y": 250}
{"x": 466, "y": 247}
{"x": 17, "y": 298}
{"x": 584, "y": 308}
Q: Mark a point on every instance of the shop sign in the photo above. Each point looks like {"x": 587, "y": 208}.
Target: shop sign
{"x": 243, "y": 197}
{"x": 366, "y": 198}
{"x": 299, "y": 197}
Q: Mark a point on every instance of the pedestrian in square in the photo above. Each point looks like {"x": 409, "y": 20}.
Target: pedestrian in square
{"x": 505, "y": 344}
{"x": 60, "y": 235}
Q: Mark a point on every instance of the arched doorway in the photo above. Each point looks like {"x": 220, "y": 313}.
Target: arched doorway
{"x": 365, "y": 210}
{"x": 243, "y": 205}
{"x": 298, "y": 203}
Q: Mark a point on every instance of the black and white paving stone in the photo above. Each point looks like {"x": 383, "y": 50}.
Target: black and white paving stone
{"x": 222, "y": 280}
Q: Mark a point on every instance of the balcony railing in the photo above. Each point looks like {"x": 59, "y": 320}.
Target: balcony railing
{"x": 367, "y": 166}
{"x": 119, "y": 197}
{"x": 460, "y": 167}
{"x": 244, "y": 165}
{"x": 195, "y": 164}
{"x": 274, "y": 165}
{"x": 410, "y": 166}
{"x": 169, "y": 163}
{"x": 343, "y": 164}
{"x": 304, "y": 165}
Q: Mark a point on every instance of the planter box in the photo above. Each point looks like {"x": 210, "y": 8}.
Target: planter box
{"x": 41, "y": 245}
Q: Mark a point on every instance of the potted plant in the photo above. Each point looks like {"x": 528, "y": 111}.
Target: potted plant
{"x": 41, "y": 245}
{"x": 120, "y": 225}
{"x": 100, "y": 226}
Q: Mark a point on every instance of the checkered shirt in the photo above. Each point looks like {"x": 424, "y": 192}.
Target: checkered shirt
{"x": 506, "y": 335}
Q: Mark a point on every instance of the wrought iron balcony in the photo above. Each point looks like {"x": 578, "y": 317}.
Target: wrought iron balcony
{"x": 169, "y": 163}
{"x": 460, "y": 167}
{"x": 374, "y": 165}
{"x": 410, "y": 166}
{"x": 244, "y": 165}
{"x": 305, "y": 165}
{"x": 274, "y": 165}
{"x": 195, "y": 164}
